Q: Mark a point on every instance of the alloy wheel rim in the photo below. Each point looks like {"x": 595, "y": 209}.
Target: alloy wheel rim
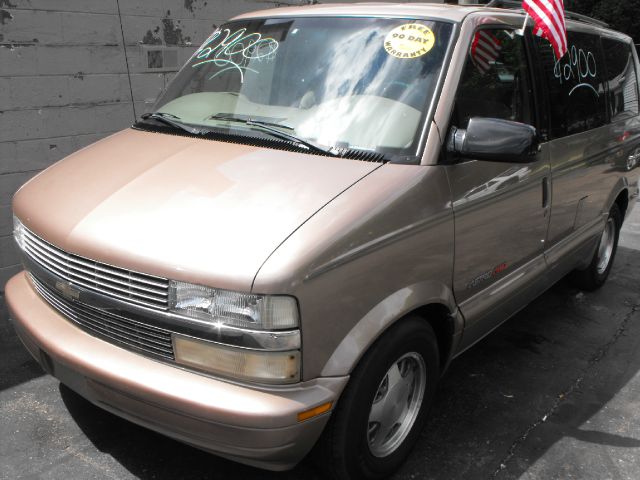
{"x": 605, "y": 249}
{"x": 396, "y": 404}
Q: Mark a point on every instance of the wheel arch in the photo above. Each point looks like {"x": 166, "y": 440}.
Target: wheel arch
{"x": 622, "y": 200}
{"x": 432, "y": 302}
{"x": 443, "y": 323}
{"x": 619, "y": 196}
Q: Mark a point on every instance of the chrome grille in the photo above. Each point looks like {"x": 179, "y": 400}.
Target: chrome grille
{"x": 113, "y": 328}
{"x": 133, "y": 287}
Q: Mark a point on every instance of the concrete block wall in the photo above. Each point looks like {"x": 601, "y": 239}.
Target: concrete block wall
{"x": 74, "y": 71}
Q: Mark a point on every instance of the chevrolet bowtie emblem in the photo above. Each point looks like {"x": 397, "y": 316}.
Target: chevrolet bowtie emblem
{"x": 67, "y": 290}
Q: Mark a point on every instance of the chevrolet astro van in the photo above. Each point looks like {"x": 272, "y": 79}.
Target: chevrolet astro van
{"x": 325, "y": 207}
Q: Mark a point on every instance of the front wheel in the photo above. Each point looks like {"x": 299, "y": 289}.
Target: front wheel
{"x": 380, "y": 415}
{"x": 595, "y": 275}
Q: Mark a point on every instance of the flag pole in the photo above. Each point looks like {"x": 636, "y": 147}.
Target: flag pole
{"x": 524, "y": 25}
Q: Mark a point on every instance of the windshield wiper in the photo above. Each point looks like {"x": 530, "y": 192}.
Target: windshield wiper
{"x": 231, "y": 117}
{"x": 275, "y": 130}
{"x": 173, "y": 121}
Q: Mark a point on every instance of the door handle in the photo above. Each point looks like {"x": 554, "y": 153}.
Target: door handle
{"x": 546, "y": 194}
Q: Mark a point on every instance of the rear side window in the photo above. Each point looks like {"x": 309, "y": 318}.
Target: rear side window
{"x": 621, "y": 79}
{"x": 576, "y": 85}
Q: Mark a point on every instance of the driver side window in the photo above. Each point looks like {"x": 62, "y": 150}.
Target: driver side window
{"x": 495, "y": 81}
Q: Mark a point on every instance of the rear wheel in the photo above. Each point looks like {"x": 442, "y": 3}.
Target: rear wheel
{"x": 383, "y": 409}
{"x": 595, "y": 275}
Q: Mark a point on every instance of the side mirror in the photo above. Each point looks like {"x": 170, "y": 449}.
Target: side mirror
{"x": 495, "y": 140}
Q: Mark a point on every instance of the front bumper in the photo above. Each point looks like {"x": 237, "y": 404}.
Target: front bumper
{"x": 256, "y": 426}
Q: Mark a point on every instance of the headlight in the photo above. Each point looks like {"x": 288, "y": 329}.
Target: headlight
{"x": 18, "y": 232}
{"x": 242, "y": 310}
{"x": 242, "y": 315}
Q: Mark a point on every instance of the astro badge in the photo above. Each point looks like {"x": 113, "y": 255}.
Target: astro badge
{"x": 410, "y": 40}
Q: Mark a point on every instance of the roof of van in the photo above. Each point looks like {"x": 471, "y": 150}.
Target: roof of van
{"x": 455, "y": 13}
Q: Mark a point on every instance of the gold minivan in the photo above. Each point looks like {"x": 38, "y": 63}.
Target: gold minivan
{"x": 324, "y": 208}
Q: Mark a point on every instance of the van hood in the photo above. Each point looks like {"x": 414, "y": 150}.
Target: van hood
{"x": 182, "y": 208}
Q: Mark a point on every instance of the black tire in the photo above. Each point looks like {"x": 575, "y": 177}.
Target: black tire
{"x": 343, "y": 451}
{"x": 594, "y": 276}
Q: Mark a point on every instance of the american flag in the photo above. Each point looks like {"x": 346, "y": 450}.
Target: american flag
{"x": 485, "y": 50}
{"x": 548, "y": 16}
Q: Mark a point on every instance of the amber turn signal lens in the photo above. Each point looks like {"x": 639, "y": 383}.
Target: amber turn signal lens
{"x": 241, "y": 363}
{"x": 314, "y": 412}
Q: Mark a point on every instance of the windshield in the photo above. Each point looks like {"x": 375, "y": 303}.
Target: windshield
{"x": 354, "y": 83}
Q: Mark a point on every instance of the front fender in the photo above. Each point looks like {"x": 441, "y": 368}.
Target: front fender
{"x": 374, "y": 253}
{"x": 364, "y": 333}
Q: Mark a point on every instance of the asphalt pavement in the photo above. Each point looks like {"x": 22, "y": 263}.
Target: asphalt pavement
{"x": 552, "y": 394}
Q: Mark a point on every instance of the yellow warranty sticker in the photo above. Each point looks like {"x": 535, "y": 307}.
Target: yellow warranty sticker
{"x": 410, "y": 40}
